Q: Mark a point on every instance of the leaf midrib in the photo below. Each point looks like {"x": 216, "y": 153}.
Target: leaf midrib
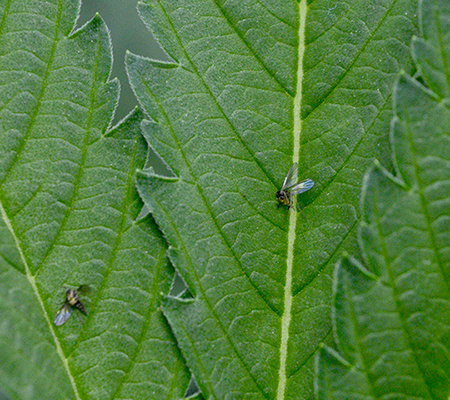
{"x": 33, "y": 285}
{"x": 287, "y": 314}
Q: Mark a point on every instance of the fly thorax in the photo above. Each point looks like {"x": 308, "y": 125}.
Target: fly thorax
{"x": 72, "y": 297}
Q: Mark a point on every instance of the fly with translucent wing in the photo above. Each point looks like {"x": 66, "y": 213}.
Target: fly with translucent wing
{"x": 72, "y": 301}
{"x": 291, "y": 187}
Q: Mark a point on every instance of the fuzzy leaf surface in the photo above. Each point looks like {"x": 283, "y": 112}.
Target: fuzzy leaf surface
{"x": 391, "y": 317}
{"x": 69, "y": 209}
{"x": 253, "y": 87}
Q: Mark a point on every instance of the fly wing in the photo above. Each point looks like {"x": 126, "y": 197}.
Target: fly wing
{"x": 84, "y": 289}
{"x": 63, "y": 314}
{"x": 291, "y": 177}
{"x": 302, "y": 186}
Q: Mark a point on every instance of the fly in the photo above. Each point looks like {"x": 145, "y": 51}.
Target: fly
{"x": 72, "y": 301}
{"x": 291, "y": 187}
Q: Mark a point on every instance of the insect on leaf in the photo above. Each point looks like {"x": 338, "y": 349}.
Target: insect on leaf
{"x": 63, "y": 314}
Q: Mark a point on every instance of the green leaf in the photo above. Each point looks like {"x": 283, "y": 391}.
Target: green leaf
{"x": 69, "y": 212}
{"x": 253, "y": 87}
{"x": 391, "y": 324}
{"x": 432, "y": 51}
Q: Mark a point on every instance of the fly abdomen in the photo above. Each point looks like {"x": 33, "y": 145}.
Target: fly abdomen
{"x": 80, "y": 306}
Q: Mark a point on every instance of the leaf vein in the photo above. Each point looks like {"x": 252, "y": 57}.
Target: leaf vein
{"x": 393, "y": 286}
{"x": 146, "y": 326}
{"x": 210, "y": 307}
{"x": 349, "y": 67}
{"x": 206, "y": 204}
{"x": 221, "y": 110}
{"x": 80, "y": 173}
{"x": 250, "y": 49}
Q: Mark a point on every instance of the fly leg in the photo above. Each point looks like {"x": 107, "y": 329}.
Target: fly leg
{"x": 79, "y": 316}
{"x": 301, "y": 210}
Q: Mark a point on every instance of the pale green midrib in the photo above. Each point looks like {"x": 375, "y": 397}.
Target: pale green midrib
{"x": 286, "y": 318}
{"x": 32, "y": 282}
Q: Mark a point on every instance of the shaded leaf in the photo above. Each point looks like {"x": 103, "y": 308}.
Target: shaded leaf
{"x": 391, "y": 324}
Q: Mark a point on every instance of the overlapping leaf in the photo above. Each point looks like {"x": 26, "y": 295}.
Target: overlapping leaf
{"x": 392, "y": 317}
{"x": 69, "y": 213}
{"x": 253, "y": 87}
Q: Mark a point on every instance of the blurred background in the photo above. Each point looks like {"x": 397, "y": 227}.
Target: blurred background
{"x": 128, "y": 32}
